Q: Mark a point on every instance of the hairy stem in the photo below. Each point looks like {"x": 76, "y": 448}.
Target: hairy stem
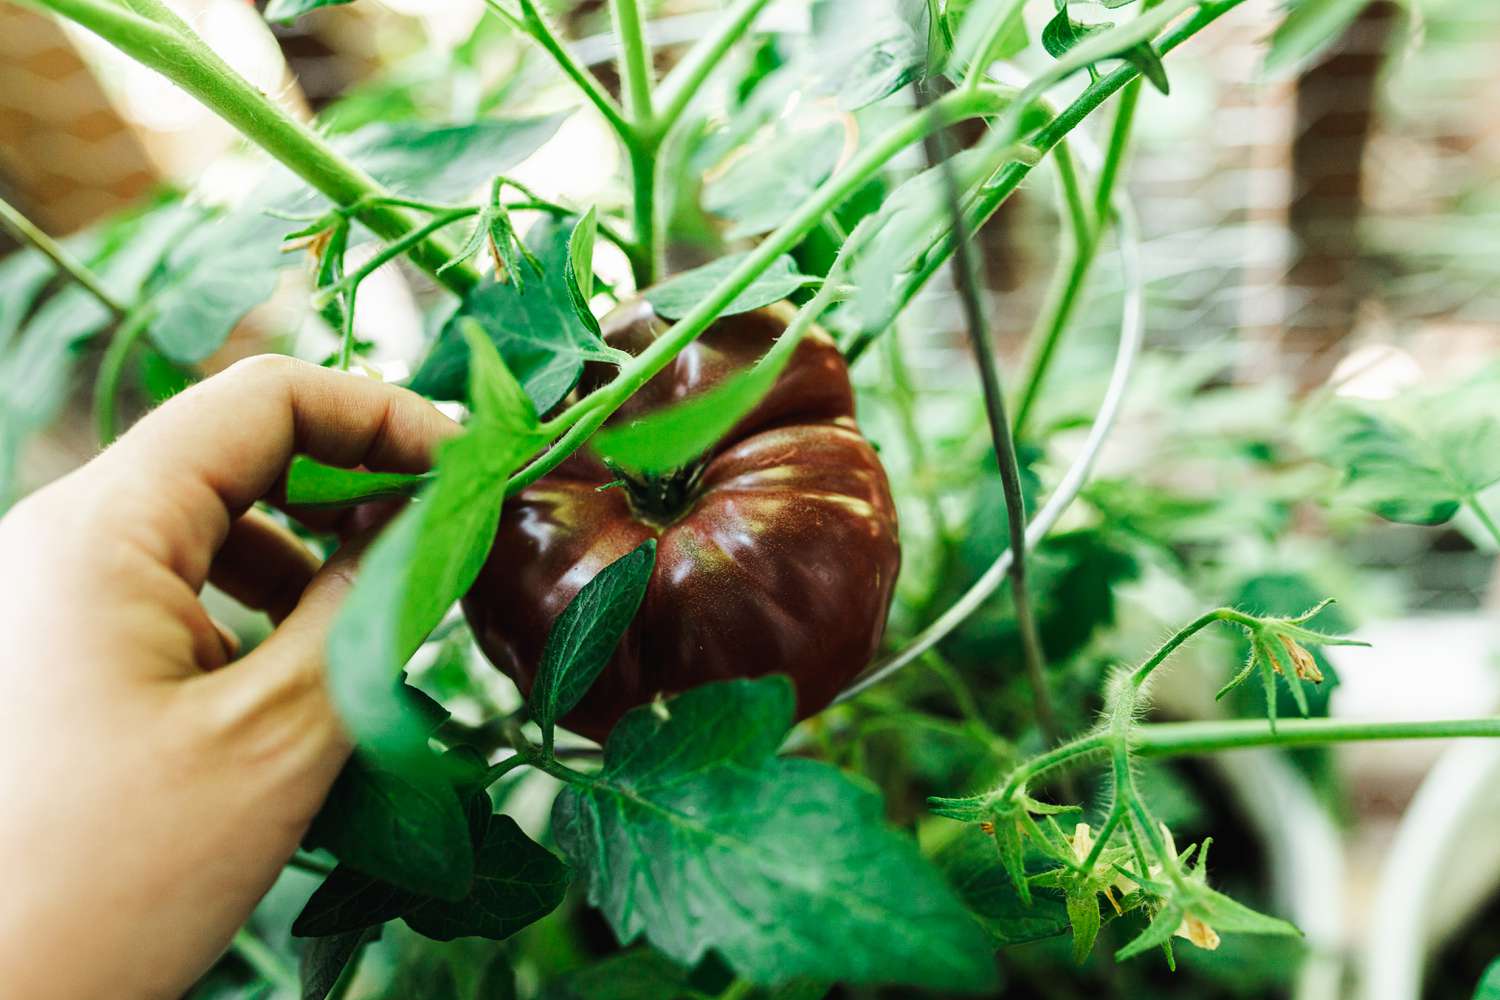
{"x": 1171, "y": 739}
{"x": 635, "y": 64}
{"x": 392, "y": 250}
{"x": 29, "y": 232}
{"x": 190, "y": 64}
{"x": 645, "y": 251}
{"x": 535, "y": 25}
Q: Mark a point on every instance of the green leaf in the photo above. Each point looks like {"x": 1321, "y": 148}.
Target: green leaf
{"x": 310, "y": 483}
{"x": 1309, "y": 28}
{"x": 282, "y": 11}
{"x": 1083, "y": 914}
{"x": 969, "y": 863}
{"x": 580, "y": 265}
{"x": 862, "y": 51}
{"x": 585, "y": 635}
{"x": 1158, "y": 933}
{"x": 1062, "y": 33}
{"x": 516, "y": 883}
{"x": 1489, "y": 983}
{"x": 1417, "y": 460}
{"x": 36, "y": 373}
{"x": 324, "y": 959}
{"x": 349, "y": 901}
{"x": 23, "y": 275}
{"x": 681, "y": 293}
{"x": 766, "y": 183}
{"x": 446, "y": 161}
{"x": 493, "y": 390}
{"x": 697, "y": 837}
{"x": 536, "y": 328}
{"x": 672, "y": 438}
{"x": 224, "y": 266}
{"x": 409, "y": 832}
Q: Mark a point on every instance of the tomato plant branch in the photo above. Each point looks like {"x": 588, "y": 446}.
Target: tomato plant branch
{"x": 635, "y": 63}
{"x": 189, "y": 63}
{"x": 996, "y": 192}
{"x": 1087, "y": 232}
{"x": 263, "y": 961}
{"x": 1132, "y": 331}
{"x": 395, "y": 249}
{"x": 29, "y": 232}
{"x": 533, "y": 24}
{"x": 112, "y": 370}
{"x": 1484, "y": 517}
{"x": 681, "y": 84}
{"x": 994, "y": 31}
{"x": 579, "y": 421}
{"x": 1000, "y": 436}
{"x": 643, "y": 141}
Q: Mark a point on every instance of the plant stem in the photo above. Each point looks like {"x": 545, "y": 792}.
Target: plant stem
{"x": 112, "y": 369}
{"x": 682, "y": 83}
{"x": 500, "y": 770}
{"x": 1087, "y": 233}
{"x": 645, "y": 251}
{"x": 28, "y": 232}
{"x": 309, "y": 864}
{"x": 263, "y": 960}
{"x": 586, "y": 416}
{"x": 1168, "y": 739}
{"x": 391, "y": 251}
{"x": 644, "y": 141}
{"x": 535, "y": 25}
{"x": 1001, "y": 17}
{"x": 1484, "y": 517}
{"x": 1166, "y": 649}
{"x": 1059, "y": 756}
{"x": 635, "y": 65}
{"x": 190, "y": 64}
{"x": 1004, "y": 445}
{"x": 993, "y": 195}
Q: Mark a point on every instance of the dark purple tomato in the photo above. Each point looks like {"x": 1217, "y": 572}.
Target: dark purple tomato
{"x": 777, "y": 552}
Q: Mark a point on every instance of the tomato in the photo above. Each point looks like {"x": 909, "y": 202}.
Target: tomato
{"x": 776, "y": 553}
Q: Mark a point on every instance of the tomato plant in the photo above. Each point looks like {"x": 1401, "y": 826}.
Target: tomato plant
{"x": 670, "y": 520}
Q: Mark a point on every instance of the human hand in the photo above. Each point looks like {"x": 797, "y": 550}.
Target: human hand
{"x": 148, "y": 798}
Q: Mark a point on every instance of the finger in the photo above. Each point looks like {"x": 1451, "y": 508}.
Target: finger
{"x": 228, "y": 638}
{"x": 263, "y": 565}
{"x": 276, "y": 694}
{"x": 195, "y": 464}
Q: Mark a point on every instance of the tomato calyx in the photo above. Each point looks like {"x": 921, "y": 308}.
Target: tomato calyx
{"x": 659, "y": 499}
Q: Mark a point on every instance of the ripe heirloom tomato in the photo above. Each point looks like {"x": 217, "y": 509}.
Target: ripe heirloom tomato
{"x": 776, "y": 552}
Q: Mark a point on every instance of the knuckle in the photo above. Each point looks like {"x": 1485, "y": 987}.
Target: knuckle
{"x": 264, "y": 368}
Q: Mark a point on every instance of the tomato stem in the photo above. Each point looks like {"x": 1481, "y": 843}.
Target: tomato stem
{"x": 170, "y": 47}
{"x": 29, "y": 232}
{"x": 1087, "y": 231}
